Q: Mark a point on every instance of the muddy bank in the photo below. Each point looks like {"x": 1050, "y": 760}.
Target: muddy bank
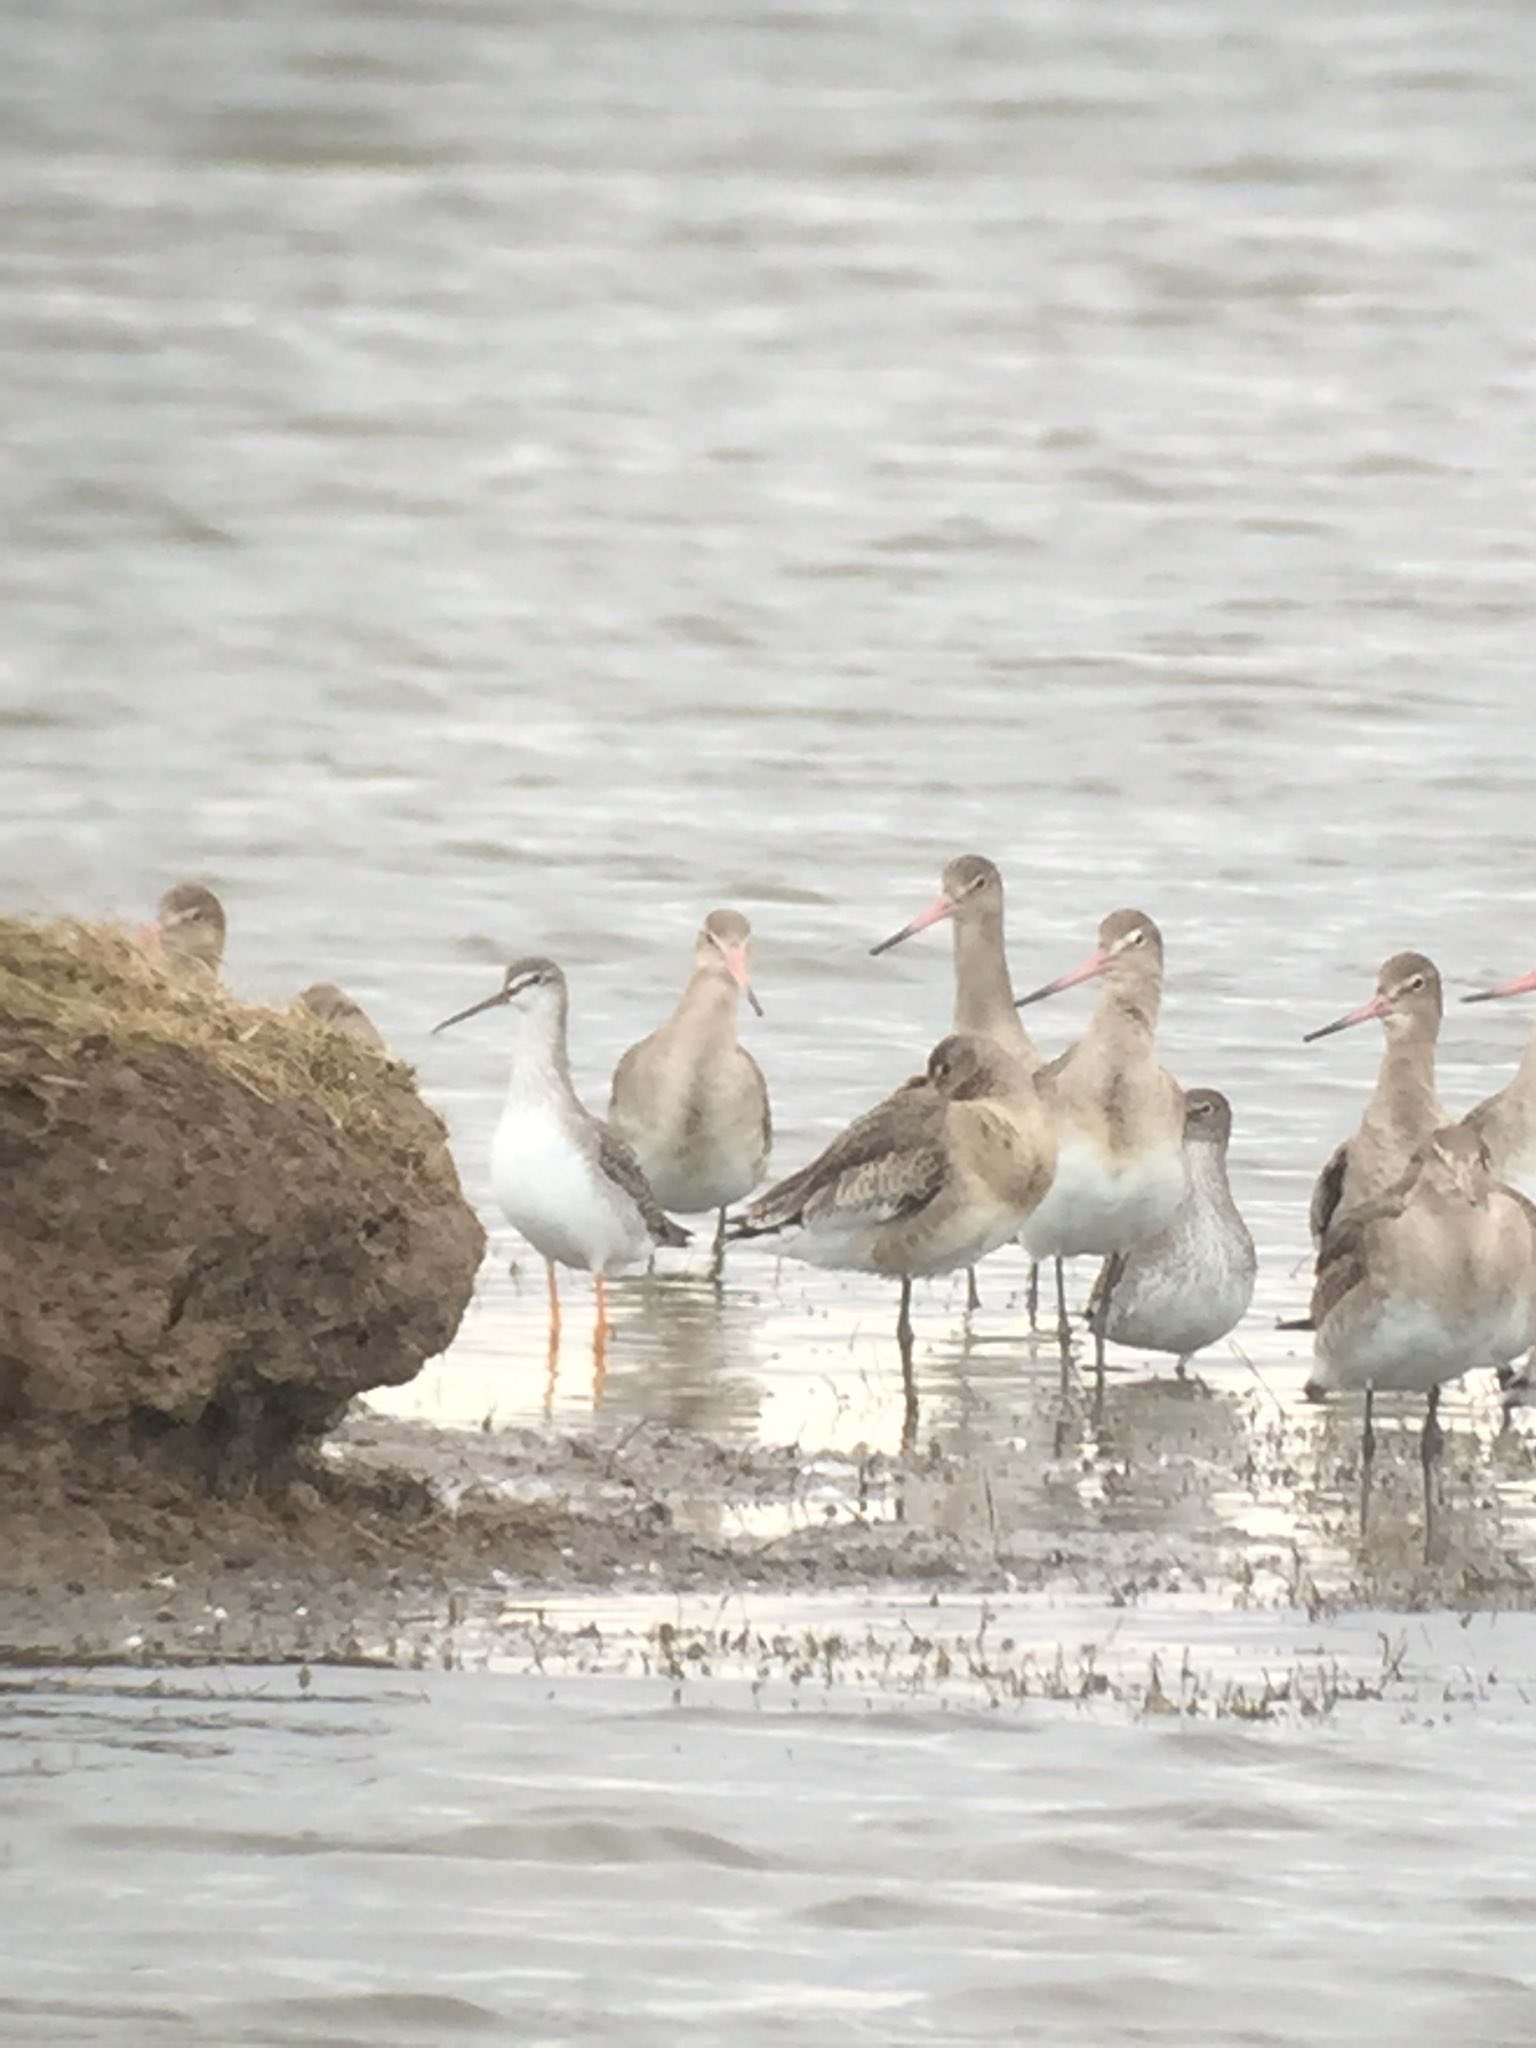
{"x": 220, "y": 1222}
{"x": 403, "y": 1537}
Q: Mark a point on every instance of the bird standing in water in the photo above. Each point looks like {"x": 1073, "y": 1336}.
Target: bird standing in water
{"x": 928, "y": 1181}
{"x": 1119, "y": 1121}
{"x": 971, "y": 897}
{"x": 563, "y": 1179}
{"x": 1190, "y": 1283}
{"x": 1422, "y": 1284}
{"x": 690, "y": 1100}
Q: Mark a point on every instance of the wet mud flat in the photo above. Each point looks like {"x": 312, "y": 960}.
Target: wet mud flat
{"x": 653, "y": 1548}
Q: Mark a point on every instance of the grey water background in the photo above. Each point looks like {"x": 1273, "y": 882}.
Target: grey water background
{"x": 490, "y": 478}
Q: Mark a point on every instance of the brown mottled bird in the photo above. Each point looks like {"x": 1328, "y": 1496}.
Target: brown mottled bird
{"x": 970, "y": 898}
{"x": 931, "y": 1179}
{"x": 1421, "y": 1284}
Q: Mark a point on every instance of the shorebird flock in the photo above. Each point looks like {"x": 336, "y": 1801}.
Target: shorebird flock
{"x": 1423, "y": 1226}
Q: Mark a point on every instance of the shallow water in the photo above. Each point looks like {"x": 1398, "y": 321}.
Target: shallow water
{"x": 564, "y": 1858}
{"x": 517, "y": 481}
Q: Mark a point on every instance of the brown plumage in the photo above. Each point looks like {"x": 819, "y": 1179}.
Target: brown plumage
{"x": 971, "y": 897}
{"x": 1404, "y": 1109}
{"x": 1428, "y": 1280}
{"x": 336, "y": 1010}
{"x": 929, "y": 1180}
{"x": 690, "y": 1099}
{"x": 189, "y": 928}
{"x": 1119, "y": 1119}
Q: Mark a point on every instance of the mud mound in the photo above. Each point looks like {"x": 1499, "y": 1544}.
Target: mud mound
{"x": 217, "y": 1222}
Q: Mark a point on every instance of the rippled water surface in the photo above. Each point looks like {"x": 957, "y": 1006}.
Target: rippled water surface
{"x": 485, "y": 479}
{"x": 558, "y": 1859}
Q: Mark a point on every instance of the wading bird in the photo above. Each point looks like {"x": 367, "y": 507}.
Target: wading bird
{"x": 1119, "y": 1122}
{"x": 563, "y": 1179}
{"x": 690, "y": 1100}
{"x": 1191, "y": 1283}
{"x": 1420, "y": 1285}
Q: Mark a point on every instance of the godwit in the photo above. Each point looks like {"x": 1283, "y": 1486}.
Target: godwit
{"x": 690, "y": 1099}
{"x": 1420, "y": 1285}
{"x": 930, "y": 1180}
{"x": 1119, "y": 1118}
{"x": 1404, "y": 1109}
{"x": 971, "y": 895}
{"x": 188, "y": 927}
{"x": 335, "y": 1009}
{"x": 563, "y": 1179}
{"x": 1506, "y": 1121}
{"x": 1190, "y": 1284}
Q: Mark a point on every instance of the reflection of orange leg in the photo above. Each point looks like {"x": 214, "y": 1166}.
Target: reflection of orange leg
{"x": 554, "y": 1371}
{"x": 600, "y": 1342}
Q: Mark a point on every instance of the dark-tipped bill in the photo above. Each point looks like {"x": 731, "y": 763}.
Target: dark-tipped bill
{"x": 945, "y": 907}
{"x": 1520, "y": 986}
{"x": 502, "y": 995}
{"x": 1094, "y": 964}
{"x": 1378, "y": 1006}
{"x": 736, "y": 968}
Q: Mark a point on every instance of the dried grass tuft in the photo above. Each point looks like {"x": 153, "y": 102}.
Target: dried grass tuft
{"x": 85, "y": 982}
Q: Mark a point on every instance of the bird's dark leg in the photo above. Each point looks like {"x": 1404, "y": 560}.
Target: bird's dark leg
{"x": 972, "y": 1297}
{"x": 717, "y": 1256}
{"x": 1367, "y": 1458}
{"x": 1032, "y": 1297}
{"x": 1114, "y": 1266}
{"x": 1431, "y": 1444}
{"x": 908, "y": 1377}
{"x": 1063, "y": 1322}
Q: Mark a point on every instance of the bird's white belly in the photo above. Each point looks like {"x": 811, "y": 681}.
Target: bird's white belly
{"x": 1092, "y": 1206}
{"x": 1407, "y": 1344}
{"x": 551, "y": 1190}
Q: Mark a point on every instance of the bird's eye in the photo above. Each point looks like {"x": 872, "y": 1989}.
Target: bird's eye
{"x": 1137, "y": 938}
{"x": 1416, "y": 981}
